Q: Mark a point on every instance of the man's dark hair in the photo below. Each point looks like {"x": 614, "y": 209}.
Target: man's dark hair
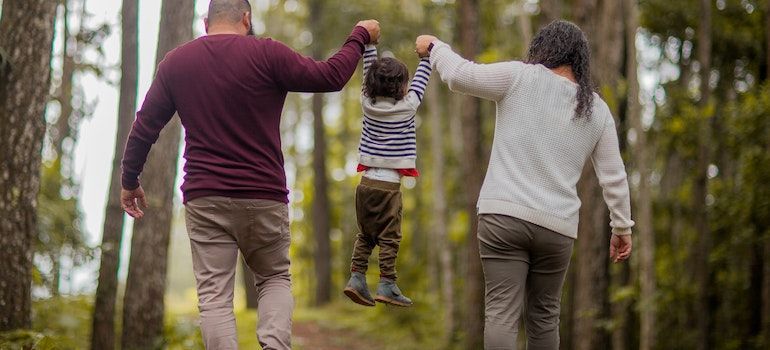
{"x": 230, "y": 11}
{"x": 562, "y": 43}
{"x": 387, "y": 77}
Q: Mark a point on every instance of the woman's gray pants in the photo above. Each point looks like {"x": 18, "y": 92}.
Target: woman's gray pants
{"x": 522, "y": 259}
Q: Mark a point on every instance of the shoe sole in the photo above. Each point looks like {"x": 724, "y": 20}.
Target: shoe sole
{"x": 386, "y": 300}
{"x": 357, "y": 297}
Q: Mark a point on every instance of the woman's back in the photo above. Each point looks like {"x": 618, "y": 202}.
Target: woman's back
{"x": 540, "y": 146}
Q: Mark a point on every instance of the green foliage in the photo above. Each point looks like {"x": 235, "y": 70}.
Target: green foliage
{"x": 60, "y": 235}
{"x": 738, "y": 199}
{"x": 393, "y": 328}
{"x": 28, "y": 340}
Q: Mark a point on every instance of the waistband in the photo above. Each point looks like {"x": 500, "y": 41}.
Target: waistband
{"x": 383, "y": 185}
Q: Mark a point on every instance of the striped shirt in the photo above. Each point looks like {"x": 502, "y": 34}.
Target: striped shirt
{"x": 388, "y": 136}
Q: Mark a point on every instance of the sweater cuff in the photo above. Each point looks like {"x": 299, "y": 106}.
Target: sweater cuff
{"x": 361, "y": 36}
{"x": 129, "y": 182}
{"x": 435, "y": 52}
{"x": 625, "y": 231}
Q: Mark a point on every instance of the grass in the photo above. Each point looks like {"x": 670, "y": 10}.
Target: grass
{"x": 65, "y": 323}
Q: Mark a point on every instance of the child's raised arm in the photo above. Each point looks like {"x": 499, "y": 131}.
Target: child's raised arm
{"x": 370, "y": 55}
{"x": 421, "y": 77}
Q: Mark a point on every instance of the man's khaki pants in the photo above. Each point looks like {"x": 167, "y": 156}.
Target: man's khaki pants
{"x": 218, "y": 228}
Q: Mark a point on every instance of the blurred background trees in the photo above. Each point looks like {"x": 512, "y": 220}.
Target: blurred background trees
{"x": 687, "y": 82}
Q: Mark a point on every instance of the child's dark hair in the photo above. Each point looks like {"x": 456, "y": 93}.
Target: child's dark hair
{"x": 387, "y": 77}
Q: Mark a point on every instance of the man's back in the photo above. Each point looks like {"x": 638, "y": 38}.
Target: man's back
{"x": 230, "y": 106}
{"x": 229, "y": 91}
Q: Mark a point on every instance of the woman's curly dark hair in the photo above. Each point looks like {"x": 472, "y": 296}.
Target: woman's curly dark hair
{"x": 387, "y": 77}
{"x": 562, "y": 43}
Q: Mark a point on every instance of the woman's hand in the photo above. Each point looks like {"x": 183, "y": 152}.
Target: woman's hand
{"x": 423, "y": 43}
{"x": 620, "y": 247}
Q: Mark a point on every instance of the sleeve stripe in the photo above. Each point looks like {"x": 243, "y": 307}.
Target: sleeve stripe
{"x": 422, "y": 80}
{"x": 419, "y": 84}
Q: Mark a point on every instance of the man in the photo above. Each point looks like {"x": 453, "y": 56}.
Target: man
{"x": 229, "y": 90}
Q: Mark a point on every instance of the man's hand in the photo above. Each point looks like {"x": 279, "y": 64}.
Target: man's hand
{"x": 373, "y": 27}
{"x": 131, "y": 200}
{"x": 620, "y": 248}
{"x": 422, "y": 44}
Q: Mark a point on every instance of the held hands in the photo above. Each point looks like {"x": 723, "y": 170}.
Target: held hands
{"x": 132, "y": 200}
{"x": 373, "y": 27}
{"x": 422, "y": 44}
{"x": 620, "y": 248}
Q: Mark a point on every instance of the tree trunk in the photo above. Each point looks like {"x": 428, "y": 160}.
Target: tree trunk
{"x": 62, "y": 130}
{"x": 700, "y": 190}
{"x": 473, "y": 172}
{"x": 766, "y": 286}
{"x": 28, "y": 31}
{"x": 56, "y": 273}
{"x": 143, "y": 304}
{"x": 525, "y": 27}
{"x": 440, "y": 210}
{"x": 602, "y": 22}
{"x": 765, "y": 332}
{"x": 591, "y": 278}
{"x": 321, "y": 207}
{"x": 103, "y": 331}
{"x": 643, "y": 164}
{"x": 550, "y": 10}
{"x": 321, "y": 214}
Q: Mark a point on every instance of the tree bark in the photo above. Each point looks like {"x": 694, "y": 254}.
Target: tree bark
{"x": 602, "y": 22}
{"x": 143, "y": 304}
{"x": 765, "y": 319}
{"x": 321, "y": 214}
{"x": 28, "y": 31}
{"x": 550, "y": 10}
{"x": 766, "y": 285}
{"x": 591, "y": 277}
{"x": 473, "y": 172}
{"x": 320, "y": 205}
{"x": 62, "y": 130}
{"x": 103, "y": 328}
{"x": 642, "y": 160}
{"x": 525, "y": 26}
{"x": 700, "y": 190}
{"x": 439, "y": 224}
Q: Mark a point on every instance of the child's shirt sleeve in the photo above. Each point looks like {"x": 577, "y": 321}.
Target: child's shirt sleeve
{"x": 419, "y": 82}
{"x": 370, "y": 55}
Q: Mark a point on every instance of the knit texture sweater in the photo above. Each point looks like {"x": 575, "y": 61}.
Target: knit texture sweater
{"x": 539, "y": 148}
{"x": 388, "y": 135}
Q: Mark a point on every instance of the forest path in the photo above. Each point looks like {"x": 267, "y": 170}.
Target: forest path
{"x": 308, "y": 335}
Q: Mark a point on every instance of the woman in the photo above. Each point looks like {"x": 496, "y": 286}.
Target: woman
{"x": 549, "y": 123}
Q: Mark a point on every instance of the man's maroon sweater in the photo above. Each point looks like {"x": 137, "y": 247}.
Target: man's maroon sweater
{"x": 229, "y": 91}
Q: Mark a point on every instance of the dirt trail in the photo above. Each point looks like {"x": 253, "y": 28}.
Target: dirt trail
{"x": 310, "y": 335}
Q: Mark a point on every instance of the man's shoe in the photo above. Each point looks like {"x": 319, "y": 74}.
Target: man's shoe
{"x": 388, "y": 293}
{"x": 358, "y": 291}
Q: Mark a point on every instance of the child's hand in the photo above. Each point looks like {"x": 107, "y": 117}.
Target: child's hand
{"x": 373, "y": 27}
{"x": 423, "y": 43}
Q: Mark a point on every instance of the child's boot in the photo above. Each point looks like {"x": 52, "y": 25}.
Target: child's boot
{"x": 388, "y": 293}
{"x": 358, "y": 291}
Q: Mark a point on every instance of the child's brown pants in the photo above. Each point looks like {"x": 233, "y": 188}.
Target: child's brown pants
{"x": 378, "y": 209}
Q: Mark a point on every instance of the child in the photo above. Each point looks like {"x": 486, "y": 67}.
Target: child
{"x": 388, "y": 151}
